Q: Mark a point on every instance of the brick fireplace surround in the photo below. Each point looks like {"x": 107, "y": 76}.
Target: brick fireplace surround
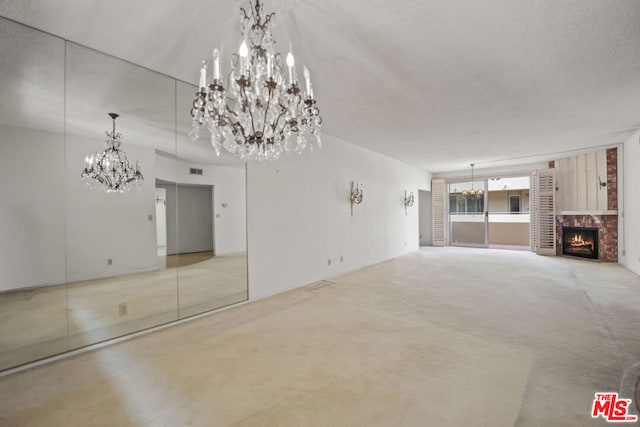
{"x": 607, "y": 224}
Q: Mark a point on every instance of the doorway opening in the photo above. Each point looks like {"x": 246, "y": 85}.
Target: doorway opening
{"x": 425, "y": 225}
{"x": 184, "y": 224}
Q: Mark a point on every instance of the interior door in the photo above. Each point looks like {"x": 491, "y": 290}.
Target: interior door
{"x": 468, "y": 219}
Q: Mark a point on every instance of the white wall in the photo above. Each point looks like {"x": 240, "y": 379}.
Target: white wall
{"x": 299, "y": 215}
{"x": 32, "y": 212}
{"x": 231, "y": 221}
{"x": 631, "y": 203}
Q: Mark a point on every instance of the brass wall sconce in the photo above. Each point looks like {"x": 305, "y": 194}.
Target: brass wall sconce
{"x": 408, "y": 201}
{"x": 356, "y": 195}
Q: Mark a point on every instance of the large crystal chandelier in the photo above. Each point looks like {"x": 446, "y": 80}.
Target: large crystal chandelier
{"x": 257, "y": 111}
{"x": 109, "y": 170}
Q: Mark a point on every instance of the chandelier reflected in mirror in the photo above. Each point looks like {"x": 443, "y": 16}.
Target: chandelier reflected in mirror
{"x": 258, "y": 110}
{"x": 109, "y": 170}
{"x": 472, "y": 193}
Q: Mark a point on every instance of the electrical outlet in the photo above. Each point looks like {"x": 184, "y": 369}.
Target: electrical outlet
{"x": 624, "y": 252}
{"x": 341, "y": 258}
{"x": 123, "y": 309}
{"x": 109, "y": 261}
{"x": 405, "y": 243}
{"x": 150, "y": 217}
{"x": 329, "y": 261}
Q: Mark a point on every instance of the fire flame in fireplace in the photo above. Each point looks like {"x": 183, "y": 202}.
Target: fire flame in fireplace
{"x": 578, "y": 242}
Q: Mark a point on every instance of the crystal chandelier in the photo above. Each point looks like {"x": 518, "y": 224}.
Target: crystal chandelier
{"x": 472, "y": 193}
{"x": 255, "y": 112}
{"x": 109, "y": 170}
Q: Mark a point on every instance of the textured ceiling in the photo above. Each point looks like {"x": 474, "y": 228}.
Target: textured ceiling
{"x": 438, "y": 84}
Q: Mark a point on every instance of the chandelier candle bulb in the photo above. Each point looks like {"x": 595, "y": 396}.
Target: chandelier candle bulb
{"x": 290, "y": 63}
{"x": 269, "y": 67}
{"x": 244, "y": 52}
{"x": 216, "y": 64}
{"x": 307, "y": 79}
{"x": 203, "y": 76}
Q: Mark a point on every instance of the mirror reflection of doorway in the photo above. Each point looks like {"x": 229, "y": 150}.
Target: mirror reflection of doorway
{"x": 188, "y": 224}
{"x": 195, "y": 225}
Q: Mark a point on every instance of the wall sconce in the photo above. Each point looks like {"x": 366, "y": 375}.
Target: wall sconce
{"x": 356, "y": 195}
{"x": 407, "y": 201}
{"x": 601, "y": 183}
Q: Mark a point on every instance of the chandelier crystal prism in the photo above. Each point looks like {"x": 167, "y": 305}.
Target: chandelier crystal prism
{"x": 472, "y": 193}
{"x": 258, "y": 111}
{"x": 109, "y": 170}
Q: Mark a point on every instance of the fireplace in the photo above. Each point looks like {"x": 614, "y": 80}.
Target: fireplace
{"x": 580, "y": 241}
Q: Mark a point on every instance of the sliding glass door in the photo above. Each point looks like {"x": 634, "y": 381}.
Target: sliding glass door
{"x": 467, "y": 214}
{"x": 508, "y": 212}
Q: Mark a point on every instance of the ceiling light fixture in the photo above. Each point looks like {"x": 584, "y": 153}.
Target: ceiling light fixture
{"x": 472, "y": 193}
{"x": 254, "y": 111}
{"x": 109, "y": 170}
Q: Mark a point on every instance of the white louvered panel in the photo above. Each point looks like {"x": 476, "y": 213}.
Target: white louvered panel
{"x": 439, "y": 206}
{"x": 546, "y": 212}
{"x": 533, "y": 200}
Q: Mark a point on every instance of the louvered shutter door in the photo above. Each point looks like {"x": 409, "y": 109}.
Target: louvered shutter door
{"x": 439, "y": 204}
{"x": 533, "y": 221}
{"x": 546, "y": 213}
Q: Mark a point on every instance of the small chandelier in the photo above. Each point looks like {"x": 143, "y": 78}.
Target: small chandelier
{"x": 109, "y": 170}
{"x": 254, "y": 112}
{"x": 472, "y": 193}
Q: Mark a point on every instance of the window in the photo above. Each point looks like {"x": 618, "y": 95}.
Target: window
{"x": 459, "y": 205}
{"x": 514, "y": 204}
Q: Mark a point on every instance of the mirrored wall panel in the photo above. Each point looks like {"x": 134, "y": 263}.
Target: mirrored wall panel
{"x": 117, "y": 283}
{"x": 211, "y": 223}
{"x": 33, "y": 310}
{"x": 110, "y": 224}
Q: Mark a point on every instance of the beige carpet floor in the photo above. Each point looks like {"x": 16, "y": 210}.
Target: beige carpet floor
{"x": 440, "y": 337}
